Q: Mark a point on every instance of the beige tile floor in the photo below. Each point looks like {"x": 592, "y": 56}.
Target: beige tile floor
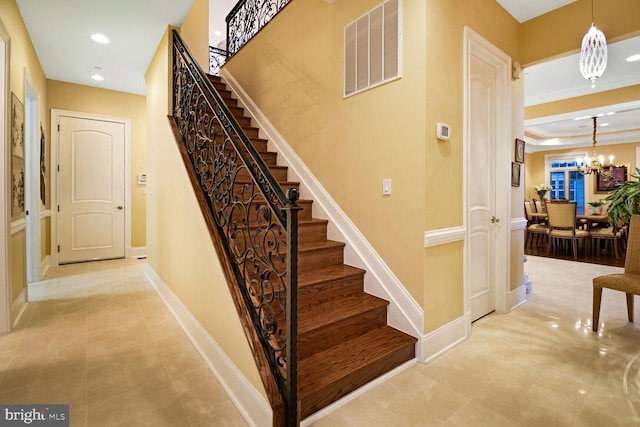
{"x": 96, "y": 336}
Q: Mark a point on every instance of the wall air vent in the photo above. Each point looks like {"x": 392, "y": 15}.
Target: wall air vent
{"x": 372, "y": 48}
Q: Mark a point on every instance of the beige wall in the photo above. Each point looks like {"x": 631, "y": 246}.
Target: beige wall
{"x": 293, "y": 69}
{"x": 179, "y": 247}
{"x": 23, "y": 64}
{"x": 86, "y": 99}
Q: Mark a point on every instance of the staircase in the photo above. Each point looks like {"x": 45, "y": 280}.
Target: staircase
{"x": 344, "y": 341}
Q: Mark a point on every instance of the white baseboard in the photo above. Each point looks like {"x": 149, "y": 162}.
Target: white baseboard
{"x": 516, "y": 298}
{"x": 17, "y": 308}
{"x": 139, "y": 252}
{"x": 250, "y": 403}
{"x": 444, "y": 338}
{"x": 404, "y": 314}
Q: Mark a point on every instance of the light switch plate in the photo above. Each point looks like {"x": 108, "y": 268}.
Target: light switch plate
{"x": 386, "y": 186}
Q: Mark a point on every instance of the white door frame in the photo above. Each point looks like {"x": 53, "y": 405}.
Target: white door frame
{"x": 5, "y": 234}
{"x": 55, "y": 148}
{"x": 478, "y": 46}
{"x": 32, "y": 181}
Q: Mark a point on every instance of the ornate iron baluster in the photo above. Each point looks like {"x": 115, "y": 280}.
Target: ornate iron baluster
{"x": 256, "y": 220}
{"x": 217, "y": 58}
{"x": 247, "y": 18}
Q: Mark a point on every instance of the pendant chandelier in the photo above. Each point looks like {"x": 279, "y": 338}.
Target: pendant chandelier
{"x": 593, "y": 54}
{"x": 595, "y": 163}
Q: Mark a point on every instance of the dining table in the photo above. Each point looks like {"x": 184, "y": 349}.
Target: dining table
{"x": 582, "y": 216}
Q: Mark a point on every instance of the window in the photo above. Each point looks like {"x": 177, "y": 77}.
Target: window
{"x": 566, "y": 181}
{"x": 372, "y": 48}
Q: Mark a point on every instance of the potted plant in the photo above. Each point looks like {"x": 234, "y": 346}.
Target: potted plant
{"x": 596, "y": 207}
{"x": 624, "y": 200}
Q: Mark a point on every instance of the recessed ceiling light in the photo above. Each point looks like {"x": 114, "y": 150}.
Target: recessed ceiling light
{"x": 603, "y": 124}
{"x": 635, "y": 57}
{"x": 100, "y": 38}
{"x": 97, "y": 77}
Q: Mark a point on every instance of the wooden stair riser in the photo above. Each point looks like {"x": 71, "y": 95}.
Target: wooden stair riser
{"x": 325, "y": 396}
{"x": 308, "y": 259}
{"x": 316, "y": 258}
{"x": 278, "y": 172}
{"x": 270, "y": 158}
{"x": 259, "y": 144}
{"x": 316, "y": 340}
{"x": 239, "y": 186}
{"x": 304, "y": 214}
{"x": 332, "y": 288}
{"x": 336, "y": 286}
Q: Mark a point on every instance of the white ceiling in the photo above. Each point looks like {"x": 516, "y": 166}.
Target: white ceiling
{"x": 61, "y": 30}
{"x": 523, "y": 10}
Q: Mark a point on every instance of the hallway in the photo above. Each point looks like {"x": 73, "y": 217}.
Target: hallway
{"x": 98, "y": 337}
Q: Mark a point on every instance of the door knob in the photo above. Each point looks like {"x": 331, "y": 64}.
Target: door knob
{"x": 120, "y": 208}
{"x": 495, "y": 220}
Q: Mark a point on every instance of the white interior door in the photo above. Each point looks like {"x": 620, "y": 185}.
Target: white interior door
{"x": 91, "y": 183}
{"x": 481, "y": 187}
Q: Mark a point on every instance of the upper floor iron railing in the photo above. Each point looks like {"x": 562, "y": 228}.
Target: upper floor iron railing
{"x": 247, "y": 18}
{"x": 217, "y": 58}
{"x": 254, "y": 218}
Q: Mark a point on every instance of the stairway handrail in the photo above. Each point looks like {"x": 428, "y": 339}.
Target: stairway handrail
{"x": 264, "y": 260}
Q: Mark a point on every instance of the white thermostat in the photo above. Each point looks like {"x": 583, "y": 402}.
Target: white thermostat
{"x": 443, "y": 131}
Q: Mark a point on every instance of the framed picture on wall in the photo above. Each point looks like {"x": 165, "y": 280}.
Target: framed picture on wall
{"x": 519, "y": 151}
{"x": 17, "y": 158}
{"x": 612, "y": 177}
{"x": 515, "y": 174}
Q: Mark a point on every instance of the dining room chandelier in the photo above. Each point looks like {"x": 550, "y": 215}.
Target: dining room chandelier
{"x": 593, "y": 54}
{"x": 595, "y": 163}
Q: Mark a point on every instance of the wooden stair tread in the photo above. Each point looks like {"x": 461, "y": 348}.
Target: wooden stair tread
{"x": 319, "y": 315}
{"x": 316, "y": 370}
{"x": 318, "y": 244}
{"x": 321, "y": 275}
{"x": 335, "y": 372}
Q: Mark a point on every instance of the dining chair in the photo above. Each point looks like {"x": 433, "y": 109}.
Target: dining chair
{"x": 534, "y": 227}
{"x": 627, "y": 282}
{"x": 561, "y": 218}
{"x": 538, "y": 205}
{"x": 612, "y": 234}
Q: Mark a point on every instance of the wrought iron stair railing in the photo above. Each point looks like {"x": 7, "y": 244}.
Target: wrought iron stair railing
{"x": 249, "y": 213}
{"x": 247, "y": 18}
{"x": 244, "y": 21}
